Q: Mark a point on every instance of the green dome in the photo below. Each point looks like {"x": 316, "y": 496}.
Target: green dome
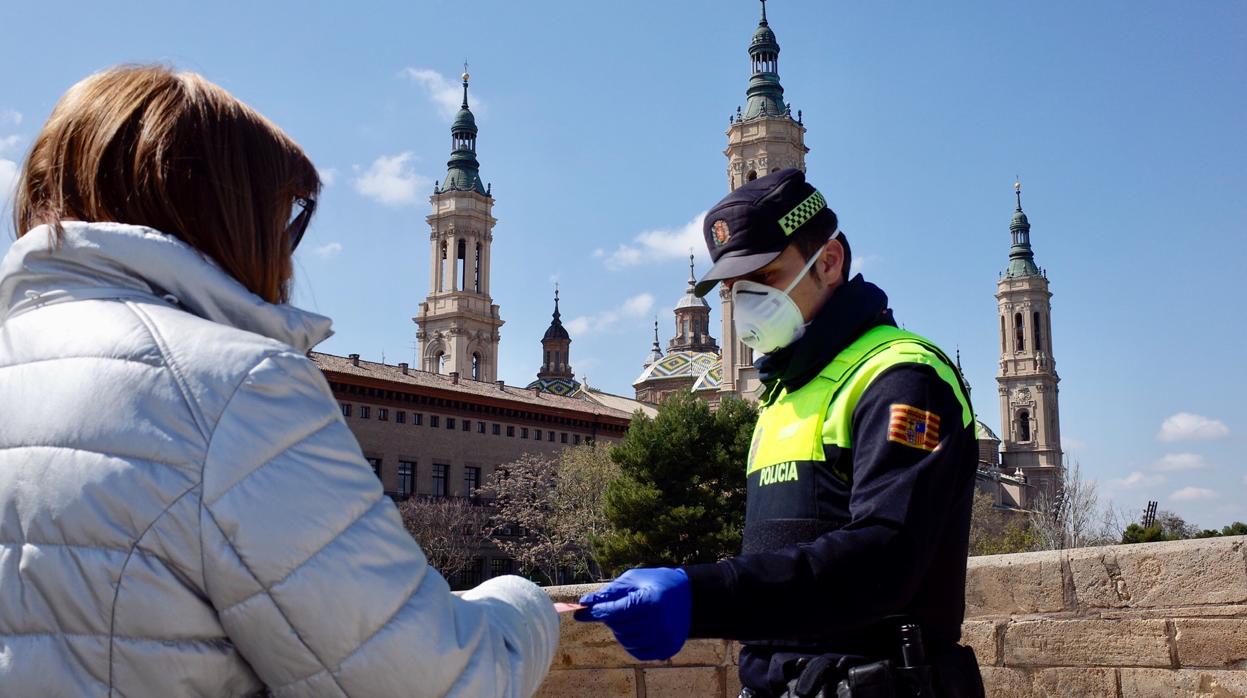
{"x": 764, "y": 39}
{"x": 464, "y": 121}
{"x": 1019, "y": 220}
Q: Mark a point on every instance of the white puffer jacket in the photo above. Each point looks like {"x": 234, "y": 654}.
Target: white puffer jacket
{"x": 183, "y": 511}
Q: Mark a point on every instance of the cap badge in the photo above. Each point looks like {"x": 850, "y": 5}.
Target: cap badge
{"x": 721, "y": 233}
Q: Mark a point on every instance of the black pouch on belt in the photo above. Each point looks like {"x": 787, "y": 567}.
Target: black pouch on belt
{"x": 872, "y": 680}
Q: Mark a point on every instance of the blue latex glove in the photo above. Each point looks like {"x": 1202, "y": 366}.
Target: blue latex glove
{"x": 649, "y": 610}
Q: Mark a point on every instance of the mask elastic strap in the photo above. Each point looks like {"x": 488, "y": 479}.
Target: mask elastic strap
{"x": 810, "y": 264}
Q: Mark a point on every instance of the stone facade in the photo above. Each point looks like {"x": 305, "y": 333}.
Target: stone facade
{"x": 1127, "y": 621}
{"x": 427, "y": 434}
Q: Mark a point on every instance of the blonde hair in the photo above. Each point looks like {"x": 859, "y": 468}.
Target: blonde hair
{"x": 147, "y": 146}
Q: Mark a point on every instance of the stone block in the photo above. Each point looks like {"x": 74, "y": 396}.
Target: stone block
{"x": 683, "y": 682}
{"x": 1211, "y": 642}
{"x": 1156, "y": 575}
{"x": 701, "y": 653}
{"x": 980, "y": 635}
{"x": 1086, "y": 643}
{"x": 732, "y": 680}
{"x": 1076, "y": 683}
{"x": 599, "y": 683}
{"x": 1192, "y": 683}
{"x": 1006, "y": 683}
{"x": 1230, "y": 611}
{"x": 1003, "y": 585}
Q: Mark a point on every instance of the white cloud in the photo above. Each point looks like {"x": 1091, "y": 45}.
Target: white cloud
{"x": 9, "y": 142}
{"x": 10, "y": 117}
{"x": 1179, "y": 461}
{"x": 328, "y": 176}
{"x": 1185, "y": 426}
{"x": 327, "y": 251}
{"x": 1191, "y": 494}
{"x": 659, "y": 245}
{"x": 446, "y": 93}
{"x": 637, "y": 306}
{"x": 391, "y": 181}
{"x": 8, "y": 182}
{"x": 1137, "y": 479}
{"x": 859, "y": 264}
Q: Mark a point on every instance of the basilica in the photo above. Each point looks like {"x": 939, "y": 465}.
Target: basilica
{"x": 437, "y": 429}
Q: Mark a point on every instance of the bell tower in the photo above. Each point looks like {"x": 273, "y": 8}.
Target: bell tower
{"x": 762, "y": 138}
{"x": 458, "y": 321}
{"x": 1029, "y": 416}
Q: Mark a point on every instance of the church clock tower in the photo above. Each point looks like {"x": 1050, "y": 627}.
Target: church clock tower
{"x": 458, "y": 322}
{"x": 762, "y": 139}
{"x": 1029, "y": 418}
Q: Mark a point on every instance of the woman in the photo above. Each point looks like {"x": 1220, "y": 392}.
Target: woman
{"x": 183, "y": 511}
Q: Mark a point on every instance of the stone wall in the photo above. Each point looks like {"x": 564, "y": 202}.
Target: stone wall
{"x": 1128, "y": 621}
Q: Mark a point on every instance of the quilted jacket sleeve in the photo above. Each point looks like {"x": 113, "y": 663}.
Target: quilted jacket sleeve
{"x": 314, "y": 577}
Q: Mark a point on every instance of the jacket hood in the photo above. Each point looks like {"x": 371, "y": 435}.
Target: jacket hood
{"x": 117, "y": 260}
{"x": 854, "y": 308}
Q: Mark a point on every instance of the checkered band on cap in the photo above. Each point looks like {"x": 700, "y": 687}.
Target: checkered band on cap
{"x": 803, "y": 212}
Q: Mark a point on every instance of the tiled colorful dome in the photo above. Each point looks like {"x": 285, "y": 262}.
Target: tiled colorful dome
{"x": 680, "y": 364}
{"x": 556, "y": 386}
{"x": 711, "y": 379}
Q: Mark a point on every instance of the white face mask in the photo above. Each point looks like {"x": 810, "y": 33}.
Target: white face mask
{"x": 766, "y": 318}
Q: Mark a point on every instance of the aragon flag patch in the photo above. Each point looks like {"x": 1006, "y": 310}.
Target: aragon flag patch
{"x": 914, "y": 427}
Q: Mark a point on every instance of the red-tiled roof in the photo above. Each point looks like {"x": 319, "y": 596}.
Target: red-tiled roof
{"x": 466, "y": 388}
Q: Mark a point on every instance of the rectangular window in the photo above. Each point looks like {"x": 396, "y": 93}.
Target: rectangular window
{"x": 346, "y": 410}
{"x": 471, "y": 480}
{"x": 563, "y": 437}
{"x": 364, "y": 410}
{"x": 450, "y": 422}
{"x": 537, "y": 434}
{"x": 467, "y": 425}
{"x": 400, "y": 417}
{"x": 510, "y": 430}
{"x": 550, "y": 436}
{"x": 480, "y": 427}
{"x": 433, "y": 421}
{"x": 383, "y": 414}
{"x": 576, "y": 439}
{"x": 497, "y": 429}
{"x": 376, "y": 466}
{"x": 499, "y": 566}
{"x": 406, "y": 477}
{"x": 417, "y": 419}
{"x": 523, "y": 432}
{"x": 439, "y": 479}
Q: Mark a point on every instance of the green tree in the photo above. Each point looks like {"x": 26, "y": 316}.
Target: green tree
{"x": 1136, "y": 533}
{"x": 680, "y": 497}
{"x": 547, "y": 510}
{"x": 995, "y": 532}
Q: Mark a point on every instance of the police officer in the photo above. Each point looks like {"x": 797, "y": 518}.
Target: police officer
{"x": 860, "y": 479}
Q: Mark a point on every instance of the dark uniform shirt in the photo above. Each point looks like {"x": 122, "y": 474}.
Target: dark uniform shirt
{"x": 881, "y": 530}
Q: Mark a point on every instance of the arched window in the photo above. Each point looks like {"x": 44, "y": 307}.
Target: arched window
{"x": 461, "y": 259}
{"x": 1019, "y": 342}
{"x": 1004, "y": 335}
{"x": 753, "y": 174}
{"x": 476, "y": 285}
{"x": 441, "y": 268}
{"x": 476, "y": 366}
{"x": 1038, "y": 332}
{"x": 558, "y": 360}
{"x": 439, "y": 362}
{"x": 1024, "y": 426}
{"x": 547, "y": 359}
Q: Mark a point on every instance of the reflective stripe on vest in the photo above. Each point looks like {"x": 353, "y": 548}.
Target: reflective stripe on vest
{"x": 794, "y": 427}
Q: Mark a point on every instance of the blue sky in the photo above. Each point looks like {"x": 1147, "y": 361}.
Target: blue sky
{"x": 602, "y": 131}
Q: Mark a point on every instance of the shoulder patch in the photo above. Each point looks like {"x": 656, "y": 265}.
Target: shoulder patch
{"x": 914, "y": 427}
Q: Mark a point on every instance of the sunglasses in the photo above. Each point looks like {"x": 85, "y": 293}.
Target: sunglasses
{"x": 298, "y": 223}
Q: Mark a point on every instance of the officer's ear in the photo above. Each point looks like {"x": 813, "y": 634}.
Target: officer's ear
{"x": 833, "y": 266}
